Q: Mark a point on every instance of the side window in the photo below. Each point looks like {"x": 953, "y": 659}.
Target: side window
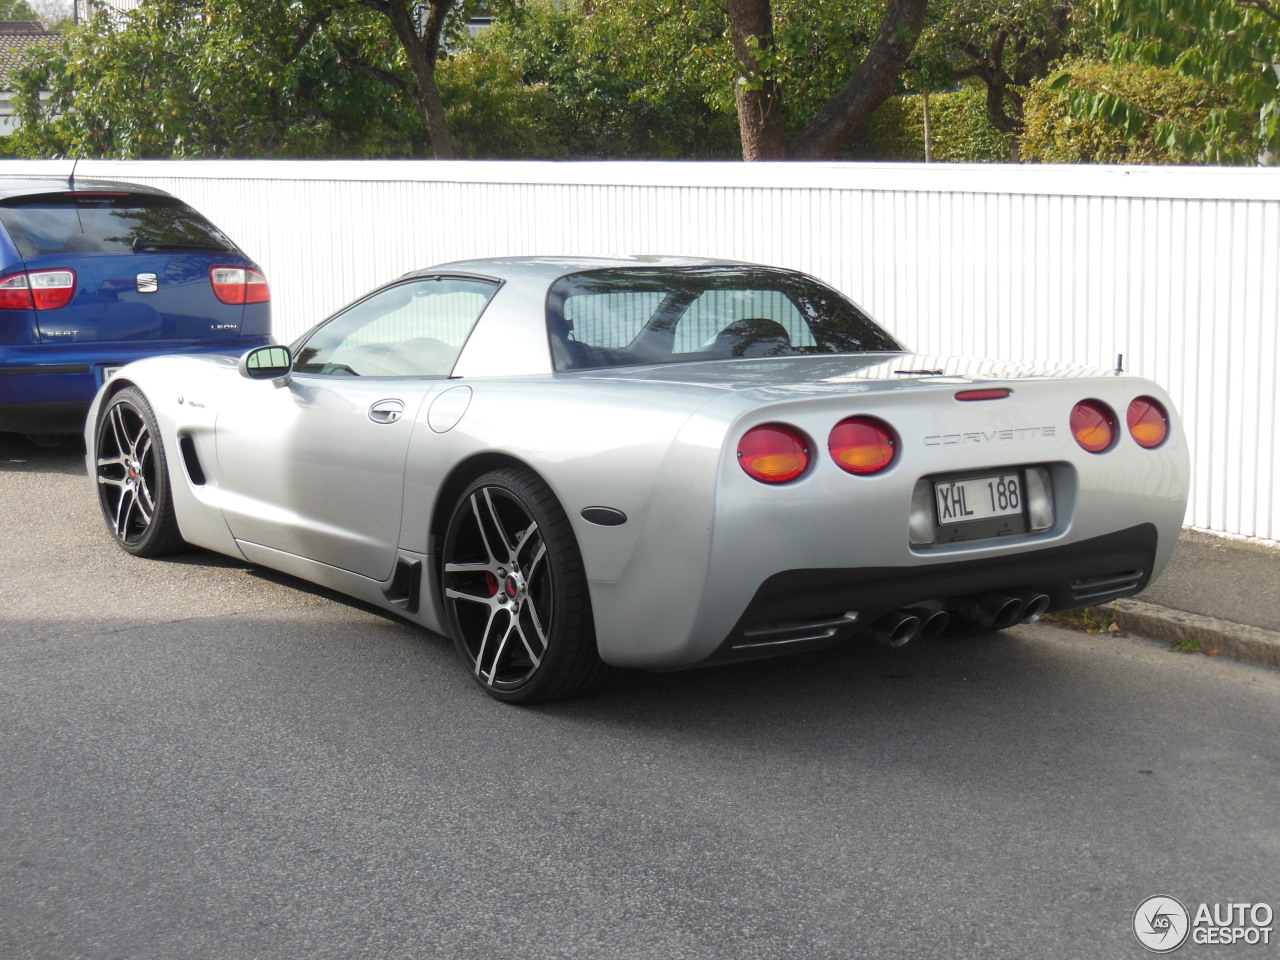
{"x": 413, "y": 329}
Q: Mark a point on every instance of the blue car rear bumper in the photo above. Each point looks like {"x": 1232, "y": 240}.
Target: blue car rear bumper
{"x": 48, "y": 389}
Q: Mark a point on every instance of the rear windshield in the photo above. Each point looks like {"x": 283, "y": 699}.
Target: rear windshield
{"x": 107, "y": 223}
{"x": 686, "y": 314}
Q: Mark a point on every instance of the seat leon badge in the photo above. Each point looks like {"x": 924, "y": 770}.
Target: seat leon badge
{"x": 148, "y": 283}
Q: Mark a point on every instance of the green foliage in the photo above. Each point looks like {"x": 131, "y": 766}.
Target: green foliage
{"x": 960, "y": 131}
{"x": 1004, "y": 44}
{"x": 615, "y": 80}
{"x": 493, "y": 113}
{"x": 219, "y": 78}
{"x": 1126, "y": 113}
{"x": 16, "y": 10}
{"x": 1227, "y": 45}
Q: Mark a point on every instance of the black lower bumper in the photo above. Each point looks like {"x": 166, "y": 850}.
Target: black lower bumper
{"x": 62, "y": 417}
{"x": 1073, "y": 575}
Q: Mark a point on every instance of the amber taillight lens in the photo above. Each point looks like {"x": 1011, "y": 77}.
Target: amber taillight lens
{"x": 773, "y": 453}
{"x": 1093, "y": 425}
{"x": 1148, "y": 422}
{"x": 862, "y": 445}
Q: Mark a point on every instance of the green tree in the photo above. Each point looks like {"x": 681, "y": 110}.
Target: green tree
{"x": 613, "y": 79}
{"x": 242, "y": 78}
{"x": 420, "y": 28}
{"x": 17, "y": 10}
{"x": 1055, "y": 134}
{"x": 761, "y": 55}
{"x": 229, "y": 78}
{"x": 1228, "y": 45}
{"x": 1004, "y": 44}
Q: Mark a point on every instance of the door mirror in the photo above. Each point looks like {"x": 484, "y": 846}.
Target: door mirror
{"x": 266, "y": 363}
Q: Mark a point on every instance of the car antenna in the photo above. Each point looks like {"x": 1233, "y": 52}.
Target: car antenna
{"x": 1119, "y": 363}
{"x": 71, "y": 179}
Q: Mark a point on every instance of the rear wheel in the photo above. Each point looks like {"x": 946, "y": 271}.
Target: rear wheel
{"x": 515, "y": 592}
{"x": 133, "y": 477}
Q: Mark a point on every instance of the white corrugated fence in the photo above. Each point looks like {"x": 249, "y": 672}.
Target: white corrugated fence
{"x": 1178, "y": 269}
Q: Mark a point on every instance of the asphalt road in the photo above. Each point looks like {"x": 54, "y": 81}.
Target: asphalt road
{"x": 205, "y": 760}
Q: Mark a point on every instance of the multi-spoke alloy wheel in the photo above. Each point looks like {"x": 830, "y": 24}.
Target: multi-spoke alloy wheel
{"x": 133, "y": 477}
{"x": 516, "y": 593}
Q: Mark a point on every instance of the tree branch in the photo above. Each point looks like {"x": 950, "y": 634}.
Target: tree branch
{"x": 872, "y": 82}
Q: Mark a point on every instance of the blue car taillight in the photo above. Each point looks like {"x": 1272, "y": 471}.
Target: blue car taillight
{"x": 37, "y": 289}
{"x": 239, "y": 285}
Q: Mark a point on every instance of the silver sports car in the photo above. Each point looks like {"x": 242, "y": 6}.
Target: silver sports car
{"x": 573, "y": 464}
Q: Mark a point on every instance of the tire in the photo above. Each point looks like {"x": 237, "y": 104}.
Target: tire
{"x": 45, "y": 441}
{"x": 134, "y": 490}
{"x": 515, "y": 592}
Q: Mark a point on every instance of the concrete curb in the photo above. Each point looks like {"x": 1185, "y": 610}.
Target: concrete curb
{"x": 1236, "y": 640}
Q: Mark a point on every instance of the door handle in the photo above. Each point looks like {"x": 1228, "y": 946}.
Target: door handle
{"x": 386, "y": 411}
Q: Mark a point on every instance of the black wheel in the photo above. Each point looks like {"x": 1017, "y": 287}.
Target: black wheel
{"x": 133, "y": 477}
{"x": 515, "y": 592}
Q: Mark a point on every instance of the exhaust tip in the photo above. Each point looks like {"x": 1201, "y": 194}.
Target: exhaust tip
{"x": 993, "y": 610}
{"x": 896, "y": 629}
{"x": 933, "y": 620}
{"x": 1034, "y": 606}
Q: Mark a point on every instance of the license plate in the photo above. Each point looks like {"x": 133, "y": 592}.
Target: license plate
{"x": 978, "y": 498}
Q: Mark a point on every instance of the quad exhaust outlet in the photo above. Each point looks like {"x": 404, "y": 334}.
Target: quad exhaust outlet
{"x": 997, "y": 611}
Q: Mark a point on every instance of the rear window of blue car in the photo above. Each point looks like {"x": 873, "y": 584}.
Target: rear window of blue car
{"x": 649, "y": 315}
{"x": 107, "y": 222}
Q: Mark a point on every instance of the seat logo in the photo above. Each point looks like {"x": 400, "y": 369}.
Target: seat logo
{"x": 148, "y": 283}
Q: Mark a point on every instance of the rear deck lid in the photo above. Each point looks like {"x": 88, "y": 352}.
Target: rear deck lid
{"x": 141, "y": 264}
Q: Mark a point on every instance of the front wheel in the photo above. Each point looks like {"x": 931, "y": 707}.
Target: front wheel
{"x": 134, "y": 491}
{"x": 515, "y": 592}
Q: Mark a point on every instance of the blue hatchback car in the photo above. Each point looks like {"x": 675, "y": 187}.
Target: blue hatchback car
{"x": 94, "y": 274}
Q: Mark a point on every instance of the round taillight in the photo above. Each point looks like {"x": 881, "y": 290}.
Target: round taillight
{"x": 1093, "y": 425}
{"x": 1148, "y": 422}
{"x": 773, "y": 453}
{"x": 862, "y": 445}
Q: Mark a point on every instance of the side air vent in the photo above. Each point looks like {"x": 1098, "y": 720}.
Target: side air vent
{"x": 191, "y": 461}
{"x": 1097, "y": 588}
{"x": 405, "y": 589}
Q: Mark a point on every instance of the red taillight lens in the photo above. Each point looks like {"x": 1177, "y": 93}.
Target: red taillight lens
{"x": 862, "y": 445}
{"x": 52, "y": 289}
{"x": 15, "y": 293}
{"x": 37, "y": 290}
{"x": 1148, "y": 422}
{"x": 239, "y": 285}
{"x": 1093, "y": 425}
{"x": 773, "y": 453}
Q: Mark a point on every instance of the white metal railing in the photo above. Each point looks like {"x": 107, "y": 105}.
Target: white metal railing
{"x": 1177, "y": 269}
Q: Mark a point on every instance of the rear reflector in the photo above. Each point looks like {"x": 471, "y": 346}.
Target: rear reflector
{"x": 1148, "y": 422}
{"x": 773, "y": 453}
{"x": 1093, "y": 425}
{"x": 862, "y": 445}
{"x": 239, "y": 285}
{"x": 37, "y": 290}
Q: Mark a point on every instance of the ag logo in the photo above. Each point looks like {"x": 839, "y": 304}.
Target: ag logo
{"x": 1161, "y": 924}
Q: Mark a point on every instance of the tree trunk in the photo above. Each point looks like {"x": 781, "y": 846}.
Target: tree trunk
{"x": 928, "y": 128}
{"x": 422, "y": 50}
{"x": 872, "y": 83}
{"x": 755, "y": 91}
